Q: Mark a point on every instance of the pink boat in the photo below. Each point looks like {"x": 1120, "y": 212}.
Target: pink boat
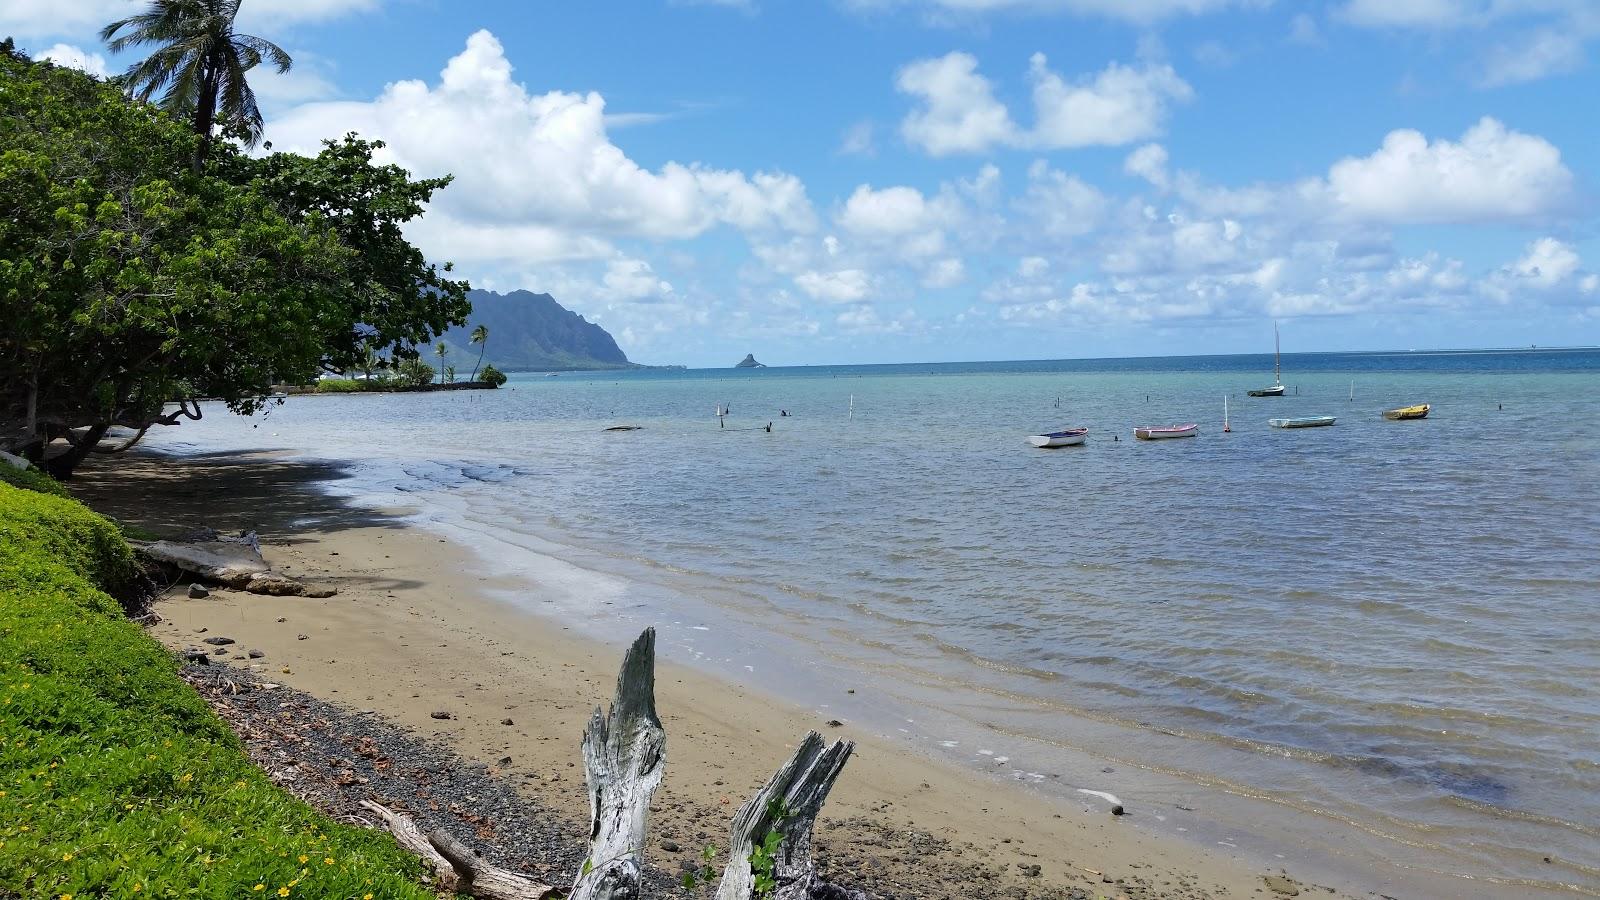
{"x": 1147, "y": 433}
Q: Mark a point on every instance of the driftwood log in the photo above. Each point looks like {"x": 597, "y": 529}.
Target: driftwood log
{"x": 456, "y": 869}
{"x": 788, "y": 806}
{"x": 408, "y": 835}
{"x": 624, "y": 755}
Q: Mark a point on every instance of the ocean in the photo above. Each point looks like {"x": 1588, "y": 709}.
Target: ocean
{"x": 1379, "y": 640}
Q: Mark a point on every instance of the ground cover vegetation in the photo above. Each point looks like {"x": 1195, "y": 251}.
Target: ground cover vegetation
{"x": 116, "y": 779}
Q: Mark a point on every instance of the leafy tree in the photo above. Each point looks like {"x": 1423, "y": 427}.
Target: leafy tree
{"x": 450, "y": 374}
{"x": 492, "y": 376}
{"x": 198, "y": 65}
{"x": 441, "y": 350}
{"x": 132, "y": 285}
{"x": 395, "y": 299}
{"x": 480, "y": 336}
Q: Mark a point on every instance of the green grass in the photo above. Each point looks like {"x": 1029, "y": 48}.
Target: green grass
{"x": 32, "y": 479}
{"x": 116, "y": 779}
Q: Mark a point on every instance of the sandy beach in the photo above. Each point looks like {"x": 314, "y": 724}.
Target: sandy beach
{"x": 413, "y": 631}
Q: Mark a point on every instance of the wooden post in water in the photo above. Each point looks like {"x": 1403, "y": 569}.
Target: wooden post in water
{"x": 1225, "y": 427}
{"x": 852, "y": 413}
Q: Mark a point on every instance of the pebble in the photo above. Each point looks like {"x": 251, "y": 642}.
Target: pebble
{"x": 669, "y": 846}
{"x": 507, "y": 722}
{"x": 439, "y": 714}
{"x": 835, "y": 723}
{"x": 303, "y": 637}
{"x": 219, "y": 641}
{"x": 256, "y": 654}
{"x": 1118, "y": 810}
{"x": 198, "y": 592}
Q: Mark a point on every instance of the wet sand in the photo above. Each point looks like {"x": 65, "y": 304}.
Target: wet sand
{"x": 415, "y": 629}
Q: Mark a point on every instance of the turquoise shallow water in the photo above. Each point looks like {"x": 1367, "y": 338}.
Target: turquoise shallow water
{"x": 1391, "y": 625}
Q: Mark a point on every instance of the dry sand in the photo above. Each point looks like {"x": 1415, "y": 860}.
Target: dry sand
{"x": 413, "y": 630}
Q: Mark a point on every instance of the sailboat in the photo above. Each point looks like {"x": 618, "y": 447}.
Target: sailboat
{"x": 1277, "y": 370}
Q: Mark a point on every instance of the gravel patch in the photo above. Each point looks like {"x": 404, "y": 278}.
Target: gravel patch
{"x": 333, "y": 758}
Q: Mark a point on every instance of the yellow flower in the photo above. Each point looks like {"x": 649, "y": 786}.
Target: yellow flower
{"x": 137, "y": 888}
{"x": 327, "y": 860}
{"x": 367, "y": 896}
{"x": 259, "y": 887}
{"x": 66, "y": 897}
{"x": 303, "y": 858}
{"x": 66, "y": 857}
{"x": 283, "y": 892}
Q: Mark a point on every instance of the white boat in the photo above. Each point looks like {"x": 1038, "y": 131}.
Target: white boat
{"x": 1070, "y": 437}
{"x": 1277, "y": 370}
{"x": 1149, "y": 433}
{"x": 1303, "y": 422}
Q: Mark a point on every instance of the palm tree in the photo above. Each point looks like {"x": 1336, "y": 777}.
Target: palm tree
{"x": 441, "y": 350}
{"x": 480, "y": 336}
{"x": 198, "y": 65}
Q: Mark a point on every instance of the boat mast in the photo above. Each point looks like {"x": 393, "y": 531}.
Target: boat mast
{"x": 1277, "y": 357}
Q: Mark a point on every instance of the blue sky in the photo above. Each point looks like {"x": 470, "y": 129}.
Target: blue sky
{"x": 905, "y": 180}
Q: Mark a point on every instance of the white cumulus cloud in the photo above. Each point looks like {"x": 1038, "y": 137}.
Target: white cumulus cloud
{"x": 1491, "y": 174}
{"x": 956, "y": 109}
{"x": 1139, "y": 12}
{"x": 76, "y": 58}
{"x": 536, "y": 173}
{"x": 1119, "y": 105}
{"x": 959, "y": 112}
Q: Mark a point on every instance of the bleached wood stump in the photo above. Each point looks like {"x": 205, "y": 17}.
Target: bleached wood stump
{"x": 624, "y": 754}
{"x": 788, "y": 805}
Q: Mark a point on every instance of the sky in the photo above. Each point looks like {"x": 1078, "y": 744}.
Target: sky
{"x": 857, "y": 181}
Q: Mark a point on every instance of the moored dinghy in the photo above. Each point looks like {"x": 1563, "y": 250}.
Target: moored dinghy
{"x": 1148, "y": 433}
{"x": 1420, "y": 411}
{"x": 1303, "y": 422}
{"x": 1070, "y": 437}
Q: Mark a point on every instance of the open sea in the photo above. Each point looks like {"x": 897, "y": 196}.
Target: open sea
{"x": 1379, "y": 638}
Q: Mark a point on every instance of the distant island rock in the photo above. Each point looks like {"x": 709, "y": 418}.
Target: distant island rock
{"x": 532, "y": 332}
{"x": 749, "y": 362}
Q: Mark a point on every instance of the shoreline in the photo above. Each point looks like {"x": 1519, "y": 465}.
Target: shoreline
{"x": 417, "y": 628}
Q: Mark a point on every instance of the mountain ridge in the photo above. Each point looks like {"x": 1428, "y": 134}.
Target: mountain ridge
{"x": 532, "y": 332}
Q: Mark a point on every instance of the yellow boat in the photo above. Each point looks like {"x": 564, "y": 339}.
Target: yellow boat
{"x": 1420, "y": 411}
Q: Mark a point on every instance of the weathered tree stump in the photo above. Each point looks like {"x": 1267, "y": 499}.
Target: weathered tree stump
{"x": 788, "y": 806}
{"x": 624, "y": 755}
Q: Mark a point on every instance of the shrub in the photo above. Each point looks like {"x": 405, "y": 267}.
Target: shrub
{"x": 116, "y": 779}
{"x": 340, "y": 386}
{"x": 491, "y": 375}
{"x": 413, "y": 373}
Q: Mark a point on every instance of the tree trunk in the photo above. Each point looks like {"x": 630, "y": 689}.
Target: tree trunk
{"x": 481, "y": 347}
{"x": 205, "y": 114}
{"x": 787, "y": 806}
{"x": 624, "y": 755}
{"x": 60, "y": 467}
